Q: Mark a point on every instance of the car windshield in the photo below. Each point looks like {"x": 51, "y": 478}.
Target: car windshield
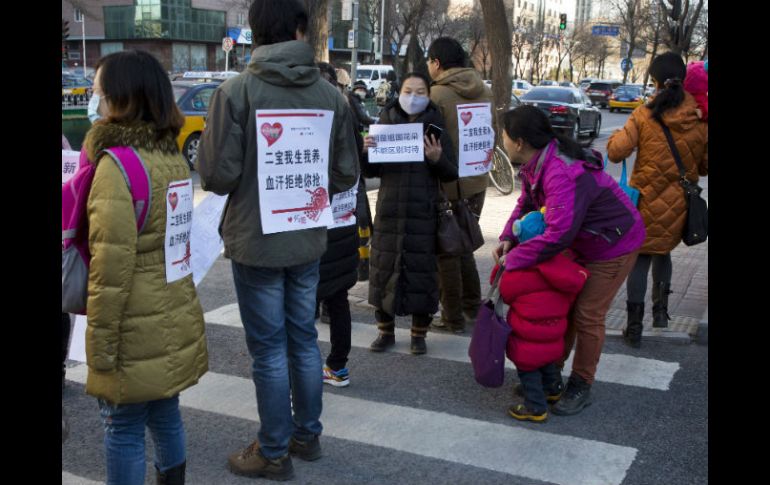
{"x": 628, "y": 91}
{"x": 600, "y": 86}
{"x": 363, "y": 74}
{"x": 549, "y": 94}
{"x": 73, "y": 80}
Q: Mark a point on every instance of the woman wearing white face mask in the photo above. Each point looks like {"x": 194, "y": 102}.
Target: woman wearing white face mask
{"x": 403, "y": 278}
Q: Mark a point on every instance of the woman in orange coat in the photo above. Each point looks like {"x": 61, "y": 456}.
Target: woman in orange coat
{"x": 656, "y": 175}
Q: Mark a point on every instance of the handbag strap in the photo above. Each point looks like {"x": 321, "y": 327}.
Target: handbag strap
{"x": 623, "y": 176}
{"x": 674, "y": 150}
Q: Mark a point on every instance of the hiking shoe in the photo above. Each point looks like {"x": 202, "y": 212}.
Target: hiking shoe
{"x": 382, "y": 342}
{"x": 306, "y": 450}
{"x": 250, "y": 462}
{"x": 552, "y": 395}
{"x": 576, "y": 397}
{"x": 522, "y": 412}
{"x": 339, "y": 378}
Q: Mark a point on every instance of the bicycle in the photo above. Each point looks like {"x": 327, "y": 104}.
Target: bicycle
{"x": 502, "y": 173}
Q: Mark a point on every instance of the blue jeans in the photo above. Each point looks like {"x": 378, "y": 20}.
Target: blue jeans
{"x": 124, "y": 438}
{"x": 277, "y": 307}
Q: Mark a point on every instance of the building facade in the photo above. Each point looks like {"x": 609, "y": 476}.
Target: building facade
{"x": 183, "y": 34}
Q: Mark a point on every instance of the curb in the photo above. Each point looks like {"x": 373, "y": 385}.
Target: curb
{"x": 650, "y": 334}
{"x": 656, "y": 335}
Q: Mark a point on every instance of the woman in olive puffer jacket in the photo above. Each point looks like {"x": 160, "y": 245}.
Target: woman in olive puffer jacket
{"x": 145, "y": 340}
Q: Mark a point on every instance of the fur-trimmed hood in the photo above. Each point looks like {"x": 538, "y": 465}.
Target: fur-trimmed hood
{"x": 137, "y": 134}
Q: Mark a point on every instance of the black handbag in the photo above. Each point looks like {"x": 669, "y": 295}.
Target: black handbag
{"x": 458, "y": 227}
{"x": 696, "y": 224}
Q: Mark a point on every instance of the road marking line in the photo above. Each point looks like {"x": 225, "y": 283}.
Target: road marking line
{"x": 614, "y": 368}
{"x": 70, "y": 479}
{"x": 507, "y": 448}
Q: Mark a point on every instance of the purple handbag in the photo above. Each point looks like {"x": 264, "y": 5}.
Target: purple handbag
{"x": 490, "y": 337}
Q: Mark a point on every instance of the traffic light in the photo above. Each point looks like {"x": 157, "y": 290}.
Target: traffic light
{"x": 562, "y": 21}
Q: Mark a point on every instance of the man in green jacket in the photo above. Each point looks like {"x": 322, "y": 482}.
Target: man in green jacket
{"x": 454, "y": 84}
{"x": 280, "y": 102}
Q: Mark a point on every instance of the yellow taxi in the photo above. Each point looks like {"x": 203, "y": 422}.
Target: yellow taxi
{"x": 627, "y": 97}
{"x": 520, "y": 87}
{"x": 75, "y": 90}
{"x": 193, "y": 99}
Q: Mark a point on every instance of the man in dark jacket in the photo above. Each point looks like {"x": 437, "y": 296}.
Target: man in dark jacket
{"x": 454, "y": 84}
{"x": 275, "y": 265}
{"x": 356, "y": 99}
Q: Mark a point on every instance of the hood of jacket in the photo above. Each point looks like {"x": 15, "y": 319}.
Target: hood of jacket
{"x": 464, "y": 80}
{"x": 290, "y": 63}
{"x": 135, "y": 134}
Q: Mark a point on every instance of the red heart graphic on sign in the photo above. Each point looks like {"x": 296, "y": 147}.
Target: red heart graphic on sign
{"x": 174, "y": 199}
{"x": 466, "y": 117}
{"x": 271, "y": 133}
{"x": 289, "y": 219}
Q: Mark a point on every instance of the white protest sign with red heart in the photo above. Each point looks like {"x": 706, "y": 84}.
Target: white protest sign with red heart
{"x": 476, "y": 138}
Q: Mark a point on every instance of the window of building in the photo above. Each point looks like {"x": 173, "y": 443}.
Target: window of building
{"x": 241, "y": 20}
{"x": 164, "y": 19}
{"x": 111, "y": 47}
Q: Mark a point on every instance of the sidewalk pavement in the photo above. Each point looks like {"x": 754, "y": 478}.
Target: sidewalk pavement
{"x": 687, "y": 304}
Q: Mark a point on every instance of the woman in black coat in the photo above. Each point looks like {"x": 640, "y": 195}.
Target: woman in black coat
{"x": 403, "y": 278}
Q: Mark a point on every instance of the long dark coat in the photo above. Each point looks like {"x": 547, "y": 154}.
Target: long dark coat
{"x": 403, "y": 278}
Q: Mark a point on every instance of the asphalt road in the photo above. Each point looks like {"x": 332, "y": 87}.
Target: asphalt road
{"x": 423, "y": 420}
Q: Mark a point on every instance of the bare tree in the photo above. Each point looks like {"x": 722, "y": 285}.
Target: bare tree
{"x": 518, "y": 43}
{"x": 679, "y": 32}
{"x": 499, "y": 40}
{"x": 653, "y": 32}
{"x": 632, "y": 16}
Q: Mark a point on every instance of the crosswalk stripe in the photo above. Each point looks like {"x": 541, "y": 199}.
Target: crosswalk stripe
{"x": 70, "y": 479}
{"x": 506, "y": 448}
{"x": 614, "y": 368}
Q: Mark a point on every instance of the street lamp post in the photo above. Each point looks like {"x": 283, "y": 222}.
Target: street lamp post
{"x": 354, "y": 53}
{"x": 382, "y": 31}
{"x": 79, "y": 14}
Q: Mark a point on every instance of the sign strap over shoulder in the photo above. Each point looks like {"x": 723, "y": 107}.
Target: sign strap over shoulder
{"x": 137, "y": 178}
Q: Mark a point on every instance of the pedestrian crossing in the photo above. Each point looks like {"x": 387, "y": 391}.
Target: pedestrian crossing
{"x": 503, "y": 447}
{"x": 614, "y": 368}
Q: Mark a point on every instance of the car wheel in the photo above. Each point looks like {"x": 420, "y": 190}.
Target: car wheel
{"x": 597, "y": 127}
{"x": 576, "y": 130}
{"x": 190, "y": 149}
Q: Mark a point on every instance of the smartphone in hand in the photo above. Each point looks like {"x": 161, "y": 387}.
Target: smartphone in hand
{"x": 433, "y": 130}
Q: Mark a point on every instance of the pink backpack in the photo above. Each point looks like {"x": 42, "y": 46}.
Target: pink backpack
{"x": 75, "y": 256}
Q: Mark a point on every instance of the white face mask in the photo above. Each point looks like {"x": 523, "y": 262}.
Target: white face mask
{"x": 93, "y": 108}
{"x": 413, "y": 104}
{"x": 361, "y": 94}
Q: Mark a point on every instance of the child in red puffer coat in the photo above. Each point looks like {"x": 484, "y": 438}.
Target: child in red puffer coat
{"x": 540, "y": 298}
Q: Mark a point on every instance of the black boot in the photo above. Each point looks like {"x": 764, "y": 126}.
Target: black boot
{"x": 418, "y": 346}
{"x": 576, "y": 397}
{"x": 632, "y": 335}
{"x": 172, "y": 476}
{"x": 660, "y": 292}
{"x": 382, "y": 342}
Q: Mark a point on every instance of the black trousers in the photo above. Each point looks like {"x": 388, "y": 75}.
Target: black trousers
{"x": 338, "y": 308}
{"x": 535, "y": 383}
{"x": 662, "y": 269}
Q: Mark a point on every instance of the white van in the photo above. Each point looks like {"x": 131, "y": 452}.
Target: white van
{"x": 373, "y": 75}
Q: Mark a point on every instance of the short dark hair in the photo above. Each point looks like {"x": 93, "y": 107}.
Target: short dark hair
{"x": 328, "y": 72}
{"x": 449, "y": 52}
{"x": 669, "y": 71}
{"x": 274, "y": 21}
{"x": 534, "y": 127}
{"x": 137, "y": 88}
{"x": 417, "y": 75}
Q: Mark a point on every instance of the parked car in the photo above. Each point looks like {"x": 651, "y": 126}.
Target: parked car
{"x": 568, "y": 109}
{"x": 520, "y": 87}
{"x": 548, "y": 82}
{"x": 567, "y": 84}
{"x": 600, "y": 91}
{"x": 627, "y": 97}
{"x": 193, "y": 99}
{"x": 373, "y": 75}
